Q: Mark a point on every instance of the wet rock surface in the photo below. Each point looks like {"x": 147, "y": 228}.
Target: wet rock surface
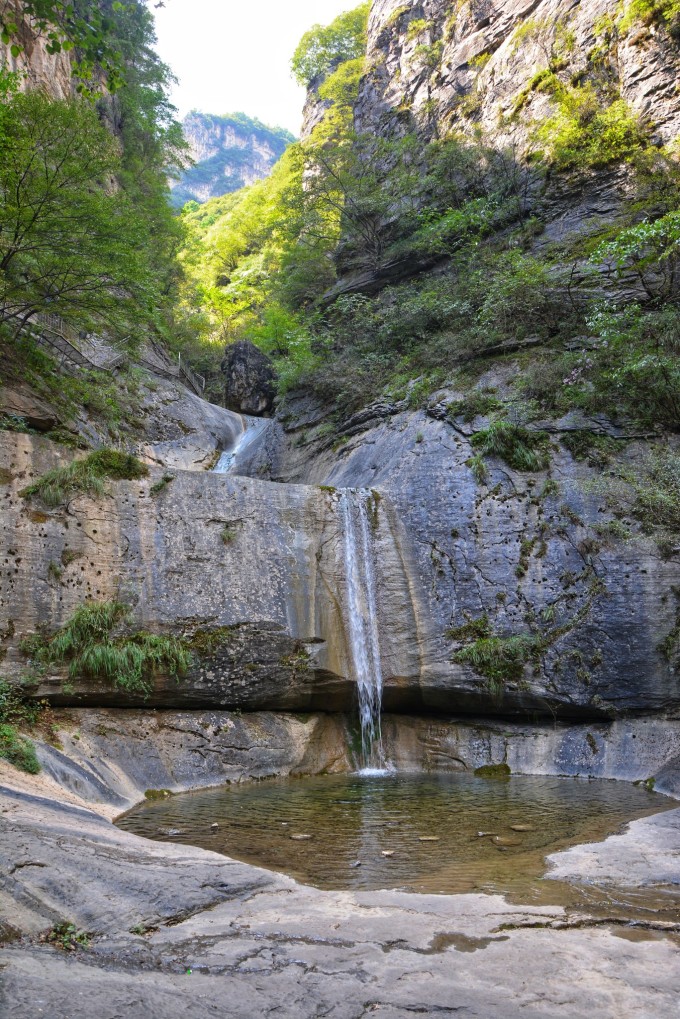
{"x": 221, "y": 938}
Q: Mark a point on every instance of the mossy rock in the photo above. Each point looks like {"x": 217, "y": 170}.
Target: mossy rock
{"x": 493, "y": 771}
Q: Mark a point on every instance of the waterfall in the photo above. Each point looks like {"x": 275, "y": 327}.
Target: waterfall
{"x": 362, "y": 619}
{"x": 252, "y": 429}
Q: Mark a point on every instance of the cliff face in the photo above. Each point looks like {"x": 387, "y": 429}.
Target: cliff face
{"x": 38, "y": 68}
{"x": 230, "y": 152}
{"x": 446, "y": 66}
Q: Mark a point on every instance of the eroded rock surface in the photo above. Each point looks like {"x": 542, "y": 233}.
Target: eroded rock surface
{"x": 177, "y": 931}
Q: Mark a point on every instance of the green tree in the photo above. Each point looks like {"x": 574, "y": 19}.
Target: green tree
{"x": 324, "y": 47}
{"x": 70, "y": 239}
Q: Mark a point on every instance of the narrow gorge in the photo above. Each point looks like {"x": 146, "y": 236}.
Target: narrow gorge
{"x": 340, "y": 543}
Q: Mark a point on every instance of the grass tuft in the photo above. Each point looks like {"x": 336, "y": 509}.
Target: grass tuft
{"x": 92, "y": 647}
{"x": 519, "y": 448}
{"x": 85, "y": 476}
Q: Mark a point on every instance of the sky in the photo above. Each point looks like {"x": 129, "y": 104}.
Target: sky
{"x": 234, "y": 56}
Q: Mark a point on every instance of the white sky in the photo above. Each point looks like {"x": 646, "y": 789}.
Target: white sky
{"x": 234, "y": 55}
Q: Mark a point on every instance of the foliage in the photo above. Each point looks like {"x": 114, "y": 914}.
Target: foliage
{"x": 18, "y": 750}
{"x": 73, "y": 241}
{"x": 501, "y": 659}
{"x": 658, "y": 492}
{"x": 66, "y": 936}
{"x": 85, "y": 476}
{"x": 519, "y": 448}
{"x": 588, "y": 130}
{"x": 94, "y": 644}
{"x": 17, "y": 708}
{"x": 475, "y": 404}
{"x": 650, "y": 250}
{"x": 71, "y": 25}
{"x": 661, "y": 12}
{"x": 66, "y": 243}
{"x": 322, "y": 48}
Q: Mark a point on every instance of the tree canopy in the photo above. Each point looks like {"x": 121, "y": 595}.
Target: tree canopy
{"x": 323, "y": 47}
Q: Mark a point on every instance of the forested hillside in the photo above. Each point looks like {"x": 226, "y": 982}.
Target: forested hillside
{"x": 229, "y": 152}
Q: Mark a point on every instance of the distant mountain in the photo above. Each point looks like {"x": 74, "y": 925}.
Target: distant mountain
{"x": 230, "y": 152}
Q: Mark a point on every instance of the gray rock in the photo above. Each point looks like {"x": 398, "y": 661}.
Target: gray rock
{"x": 249, "y": 386}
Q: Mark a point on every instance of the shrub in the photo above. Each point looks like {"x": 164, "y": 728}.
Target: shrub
{"x": 587, "y": 132}
{"x": 661, "y": 12}
{"x": 85, "y": 476}
{"x": 477, "y": 404}
{"x": 18, "y": 750}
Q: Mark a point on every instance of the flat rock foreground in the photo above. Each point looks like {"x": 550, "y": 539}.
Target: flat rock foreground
{"x": 176, "y": 931}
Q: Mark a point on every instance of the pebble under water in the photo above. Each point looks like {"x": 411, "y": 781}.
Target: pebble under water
{"x": 424, "y": 833}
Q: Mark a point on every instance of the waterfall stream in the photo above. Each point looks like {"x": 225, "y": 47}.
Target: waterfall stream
{"x": 362, "y": 619}
{"x": 252, "y": 429}
{"x": 358, "y": 509}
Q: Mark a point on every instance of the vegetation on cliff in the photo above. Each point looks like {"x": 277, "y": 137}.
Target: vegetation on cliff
{"x": 86, "y": 476}
{"x": 368, "y": 263}
{"x": 95, "y": 642}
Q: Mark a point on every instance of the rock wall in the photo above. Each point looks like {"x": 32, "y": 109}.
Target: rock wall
{"x": 37, "y": 68}
{"x": 444, "y": 66}
{"x": 514, "y": 550}
{"x": 229, "y": 152}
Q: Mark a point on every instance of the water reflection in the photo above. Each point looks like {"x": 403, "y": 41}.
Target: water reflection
{"x": 428, "y": 833}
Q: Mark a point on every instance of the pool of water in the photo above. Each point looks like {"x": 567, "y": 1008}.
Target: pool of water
{"x": 424, "y": 833}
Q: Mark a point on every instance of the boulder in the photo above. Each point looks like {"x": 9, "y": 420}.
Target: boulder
{"x": 249, "y": 386}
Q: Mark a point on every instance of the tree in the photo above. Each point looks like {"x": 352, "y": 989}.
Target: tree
{"x": 70, "y": 239}
{"x": 322, "y": 48}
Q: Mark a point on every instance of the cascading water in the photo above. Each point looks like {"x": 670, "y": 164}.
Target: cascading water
{"x": 252, "y": 429}
{"x": 362, "y": 619}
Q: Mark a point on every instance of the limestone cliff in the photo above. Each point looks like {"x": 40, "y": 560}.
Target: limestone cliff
{"x": 440, "y": 65}
{"x": 229, "y": 152}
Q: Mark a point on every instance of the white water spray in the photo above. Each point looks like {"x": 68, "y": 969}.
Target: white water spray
{"x": 364, "y": 643}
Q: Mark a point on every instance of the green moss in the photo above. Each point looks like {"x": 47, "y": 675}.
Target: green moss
{"x": 525, "y": 550}
{"x": 493, "y": 771}
{"x": 85, "y": 476}
{"x": 472, "y": 630}
{"x": 157, "y": 794}
{"x": 670, "y": 645}
{"x": 206, "y": 643}
{"x": 160, "y": 485}
{"x": 597, "y": 450}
